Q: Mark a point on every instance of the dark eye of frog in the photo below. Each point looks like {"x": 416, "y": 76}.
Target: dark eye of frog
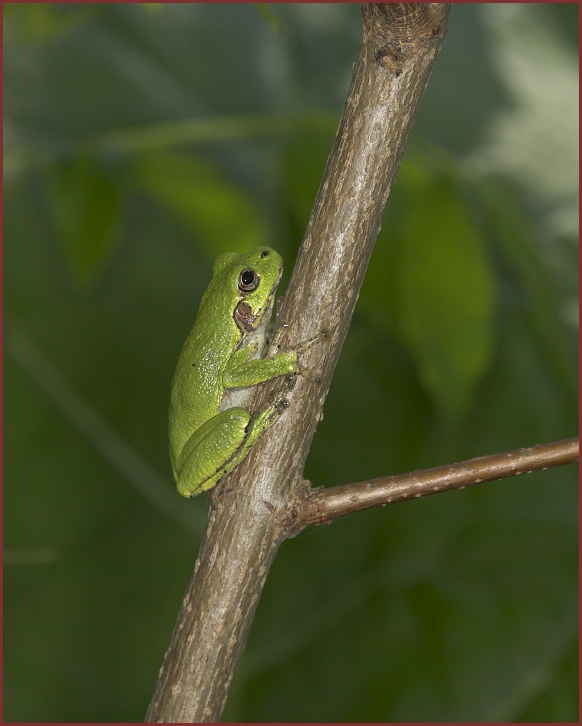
{"x": 248, "y": 280}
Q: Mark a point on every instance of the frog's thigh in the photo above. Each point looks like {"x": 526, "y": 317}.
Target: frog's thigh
{"x": 210, "y": 448}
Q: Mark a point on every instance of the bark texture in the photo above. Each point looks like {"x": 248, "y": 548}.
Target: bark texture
{"x": 322, "y": 506}
{"x": 251, "y": 508}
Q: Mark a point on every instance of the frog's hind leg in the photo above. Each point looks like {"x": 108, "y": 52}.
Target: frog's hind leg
{"x": 220, "y": 445}
{"x": 207, "y": 455}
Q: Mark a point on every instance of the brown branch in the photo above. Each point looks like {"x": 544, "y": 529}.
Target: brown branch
{"x": 399, "y": 46}
{"x": 322, "y": 506}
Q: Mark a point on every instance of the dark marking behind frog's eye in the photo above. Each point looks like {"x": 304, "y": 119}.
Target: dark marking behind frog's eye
{"x": 248, "y": 280}
{"x": 243, "y": 317}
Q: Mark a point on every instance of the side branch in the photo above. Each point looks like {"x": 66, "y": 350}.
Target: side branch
{"x": 324, "y": 505}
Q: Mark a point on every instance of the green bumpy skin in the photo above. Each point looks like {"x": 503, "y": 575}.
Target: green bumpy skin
{"x": 210, "y": 430}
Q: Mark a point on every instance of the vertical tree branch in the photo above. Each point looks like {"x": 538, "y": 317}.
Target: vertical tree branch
{"x": 399, "y": 46}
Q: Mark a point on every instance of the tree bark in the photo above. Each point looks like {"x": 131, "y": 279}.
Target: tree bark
{"x": 248, "y": 516}
{"x": 322, "y": 506}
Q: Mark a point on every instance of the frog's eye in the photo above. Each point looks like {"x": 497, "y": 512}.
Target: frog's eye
{"x": 248, "y": 280}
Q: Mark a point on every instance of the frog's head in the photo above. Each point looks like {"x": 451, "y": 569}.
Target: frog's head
{"x": 253, "y": 279}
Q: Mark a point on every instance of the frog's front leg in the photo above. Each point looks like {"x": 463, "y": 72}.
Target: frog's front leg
{"x": 240, "y": 372}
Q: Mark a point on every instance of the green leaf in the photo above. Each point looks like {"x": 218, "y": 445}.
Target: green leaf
{"x": 216, "y": 210}
{"x": 85, "y": 202}
{"x": 44, "y": 22}
{"x": 433, "y": 286}
{"x": 268, "y": 14}
{"x": 547, "y": 293}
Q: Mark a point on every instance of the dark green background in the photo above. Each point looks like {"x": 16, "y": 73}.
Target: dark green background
{"x": 141, "y": 142}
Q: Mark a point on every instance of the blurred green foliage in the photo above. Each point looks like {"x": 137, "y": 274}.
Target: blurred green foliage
{"x": 141, "y": 143}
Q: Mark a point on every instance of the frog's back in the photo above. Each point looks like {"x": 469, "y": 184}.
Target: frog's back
{"x": 197, "y": 388}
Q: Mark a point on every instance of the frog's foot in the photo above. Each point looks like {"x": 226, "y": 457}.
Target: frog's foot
{"x": 300, "y": 347}
{"x": 276, "y": 347}
{"x": 263, "y": 421}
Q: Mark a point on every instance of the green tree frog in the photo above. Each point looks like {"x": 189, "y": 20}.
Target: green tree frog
{"x": 210, "y": 429}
